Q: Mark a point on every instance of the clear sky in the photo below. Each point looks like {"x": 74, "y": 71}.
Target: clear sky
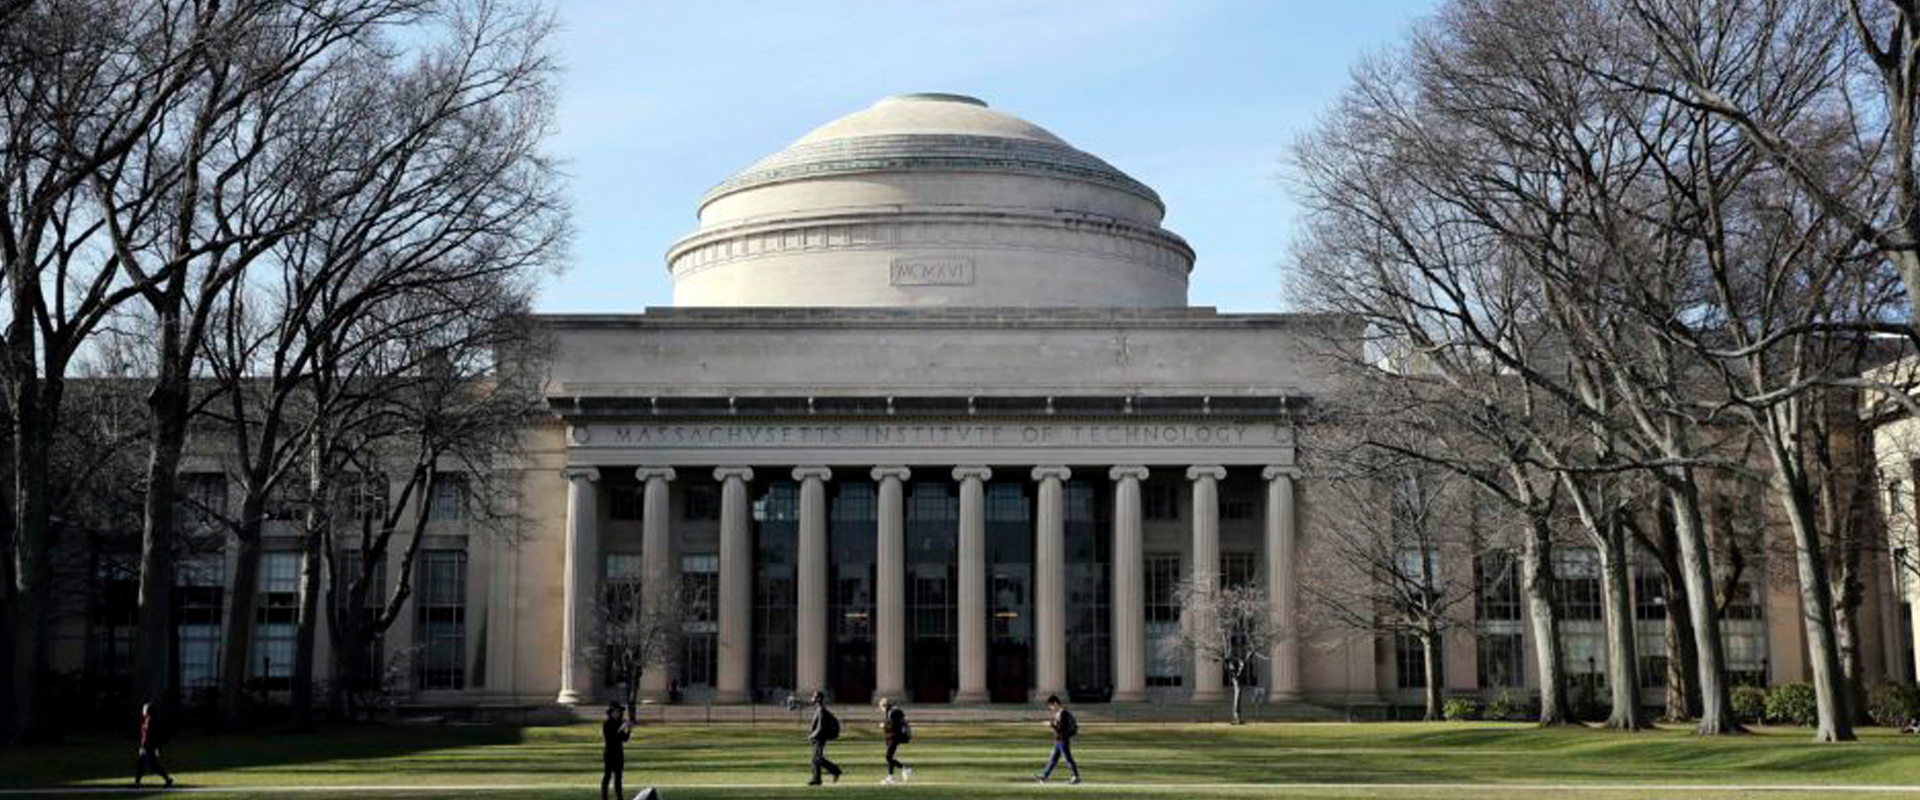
{"x": 1199, "y": 99}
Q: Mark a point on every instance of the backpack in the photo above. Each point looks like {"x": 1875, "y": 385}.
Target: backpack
{"x": 902, "y": 732}
{"x": 829, "y": 726}
{"x": 1069, "y": 727}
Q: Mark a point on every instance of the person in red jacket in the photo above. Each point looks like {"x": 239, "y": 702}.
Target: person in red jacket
{"x": 153, "y": 733}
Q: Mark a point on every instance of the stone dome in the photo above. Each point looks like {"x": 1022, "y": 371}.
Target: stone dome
{"x": 930, "y": 199}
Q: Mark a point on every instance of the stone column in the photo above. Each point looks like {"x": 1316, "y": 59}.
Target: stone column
{"x": 890, "y": 587}
{"x": 1129, "y": 588}
{"x": 1283, "y": 587}
{"x": 973, "y": 583}
{"x": 1050, "y": 584}
{"x": 810, "y": 630}
{"x": 580, "y": 583}
{"x": 1208, "y": 683}
{"x": 656, "y": 567}
{"x": 736, "y": 586}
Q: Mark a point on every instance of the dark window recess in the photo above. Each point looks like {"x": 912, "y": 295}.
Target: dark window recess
{"x": 700, "y": 502}
{"x": 1160, "y": 501}
{"x": 626, "y": 502}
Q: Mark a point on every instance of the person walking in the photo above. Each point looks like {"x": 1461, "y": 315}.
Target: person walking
{"x": 896, "y": 731}
{"x": 614, "y": 732}
{"x": 153, "y": 734}
{"x": 825, "y": 728}
{"x": 1064, "y": 729}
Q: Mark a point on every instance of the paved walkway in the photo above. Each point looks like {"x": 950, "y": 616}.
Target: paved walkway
{"x": 1528, "y": 789}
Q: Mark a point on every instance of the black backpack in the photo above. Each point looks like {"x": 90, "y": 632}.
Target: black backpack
{"x": 902, "y": 732}
{"x": 1069, "y": 727}
{"x": 829, "y": 726}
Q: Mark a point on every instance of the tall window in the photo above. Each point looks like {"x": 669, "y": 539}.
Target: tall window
{"x": 932, "y": 539}
{"x": 275, "y": 615}
{"x": 700, "y": 502}
{"x": 1743, "y": 631}
{"x": 449, "y": 501}
{"x": 620, "y": 604}
{"x": 203, "y": 499}
{"x": 700, "y": 581}
{"x": 114, "y": 610}
{"x": 372, "y": 666}
{"x": 1499, "y": 656}
{"x": 1576, "y": 572}
{"x": 199, "y": 594}
{"x": 850, "y": 541}
{"x": 1164, "y": 667}
{"x": 1089, "y": 551}
{"x": 1410, "y": 660}
{"x": 776, "y": 522}
{"x": 441, "y": 627}
{"x": 1236, "y": 502}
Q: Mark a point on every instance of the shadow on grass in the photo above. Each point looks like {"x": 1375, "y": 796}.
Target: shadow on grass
{"x": 337, "y": 750}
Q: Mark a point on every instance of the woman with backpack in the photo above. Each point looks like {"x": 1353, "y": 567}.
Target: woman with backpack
{"x": 894, "y": 727}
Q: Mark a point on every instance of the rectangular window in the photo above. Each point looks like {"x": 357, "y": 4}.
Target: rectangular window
{"x": 449, "y": 503}
{"x": 1164, "y": 668}
{"x": 620, "y": 607}
{"x": 203, "y": 500}
{"x": 626, "y": 502}
{"x": 275, "y": 615}
{"x": 1237, "y": 570}
{"x": 113, "y": 612}
{"x": 1496, "y": 581}
{"x": 1576, "y": 572}
{"x": 1160, "y": 500}
{"x": 1500, "y": 658}
{"x": 441, "y": 625}
{"x": 1411, "y": 662}
{"x": 700, "y": 583}
{"x": 701, "y": 503}
{"x": 1649, "y": 593}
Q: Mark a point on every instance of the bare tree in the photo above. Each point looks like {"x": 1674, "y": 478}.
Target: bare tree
{"x": 1233, "y": 626}
{"x": 637, "y": 624}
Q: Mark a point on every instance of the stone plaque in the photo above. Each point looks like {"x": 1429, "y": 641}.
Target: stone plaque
{"x": 931, "y": 271}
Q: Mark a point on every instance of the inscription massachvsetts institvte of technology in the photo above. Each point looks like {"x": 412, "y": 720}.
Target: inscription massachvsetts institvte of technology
{"x": 912, "y": 435}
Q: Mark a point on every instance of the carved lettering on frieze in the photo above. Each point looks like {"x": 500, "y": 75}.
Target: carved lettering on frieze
{"x": 937, "y": 434}
{"x": 931, "y": 271}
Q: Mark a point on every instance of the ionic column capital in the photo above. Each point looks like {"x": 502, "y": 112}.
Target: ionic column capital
{"x": 812, "y": 473}
{"x": 896, "y": 473}
{"x": 1054, "y": 472}
{"x": 1276, "y": 472}
{"x": 580, "y": 473}
{"x": 975, "y": 473}
{"x": 1128, "y": 472}
{"x": 655, "y": 474}
{"x": 725, "y": 473}
{"x": 1206, "y": 472}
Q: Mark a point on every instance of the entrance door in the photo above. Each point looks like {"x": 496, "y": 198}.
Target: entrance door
{"x": 853, "y": 672}
{"x": 1007, "y": 678}
{"x": 932, "y": 665}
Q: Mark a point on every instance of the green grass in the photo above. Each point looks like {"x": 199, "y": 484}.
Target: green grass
{"x": 954, "y": 761}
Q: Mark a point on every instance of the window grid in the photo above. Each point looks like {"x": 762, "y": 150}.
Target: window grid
{"x": 442, "y": 619}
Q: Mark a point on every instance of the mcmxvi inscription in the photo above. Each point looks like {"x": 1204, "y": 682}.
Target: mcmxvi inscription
{"x": 931, "y": 271}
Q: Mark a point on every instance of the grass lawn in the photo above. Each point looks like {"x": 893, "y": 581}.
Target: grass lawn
{"x": 1449, "y": 760}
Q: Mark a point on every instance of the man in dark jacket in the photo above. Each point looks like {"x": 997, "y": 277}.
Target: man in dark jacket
{"x": 893, "y": 727}
{"x": 153, "y": 734}
{"x": 1064, "y": 729}
{"x": 615, "y": 732}
{"x": 824, "y": 728}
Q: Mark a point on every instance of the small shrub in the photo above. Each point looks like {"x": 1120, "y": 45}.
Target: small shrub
{"x": 1507, "y": 705}
{"x": 1792, "y": 704}
{"x": 1460, "y": 709}
{"x": 1749, "y": 703}
{"x": 1893, "y": 705}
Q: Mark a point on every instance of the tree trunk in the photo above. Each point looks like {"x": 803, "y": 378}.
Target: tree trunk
{"x": 1623, "y": 668}
{"x": 168, "y": 407}
{"x": 1430, "y": 649}
{"x": 32, "y": 554}
{"x": 1816, "y": 600}
{"x": 1536, "y": 578}
{"x": 1235, "y": 676}
{"x": 1716, "y": 712}
{"x": 236, "y": 657}
{"x": 308, "y": 620}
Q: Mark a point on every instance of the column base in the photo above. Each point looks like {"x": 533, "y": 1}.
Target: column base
{"x": 964, "y": 697}
{"x": 1130, "y": 696}
{"x": 1208, "y": 696}
{"x": 897, "y": 694}
{"x": 568, "y": 697}
{"x": 729, "y": 697}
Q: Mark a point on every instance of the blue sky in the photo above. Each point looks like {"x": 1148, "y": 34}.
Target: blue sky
{"x": 1200, "y": 99}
